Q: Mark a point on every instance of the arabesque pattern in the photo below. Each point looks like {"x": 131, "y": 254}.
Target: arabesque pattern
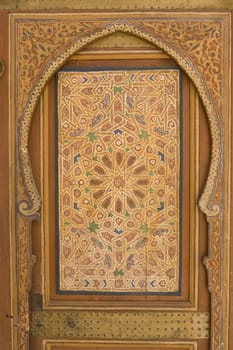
{"x": 119, "y": 180}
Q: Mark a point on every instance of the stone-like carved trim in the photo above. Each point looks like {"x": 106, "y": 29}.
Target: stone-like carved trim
{"x": 32, "y": 205}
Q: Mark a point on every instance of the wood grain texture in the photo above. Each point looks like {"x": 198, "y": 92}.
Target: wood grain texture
{"x": 5, "y": 303}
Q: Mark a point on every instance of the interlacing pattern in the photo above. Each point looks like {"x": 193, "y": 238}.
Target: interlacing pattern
{"x": 119, "y": 180}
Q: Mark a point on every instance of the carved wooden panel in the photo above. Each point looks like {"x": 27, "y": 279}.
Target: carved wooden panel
{"x": 118, "y": 180}
{"x": 40, "y": 46}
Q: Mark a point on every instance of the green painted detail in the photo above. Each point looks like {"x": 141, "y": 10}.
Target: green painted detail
{"x": 88, "y": 173}
{"x": 117, "y": 89}
{"x": 118, "y": 272}
{"x": 92, "y": 136}
{"x": 110, "y": 149}
{"x": 144, "y": 227}
{"x": 143, "y": 135}
{"x": 127, "y": 213}
{"x": 150, "y": 190}
{"x": 151, "y": 173}
{"x": 87, "y": 190}
{"x": 110, "y": 214}
{"x": 93, "y": 226}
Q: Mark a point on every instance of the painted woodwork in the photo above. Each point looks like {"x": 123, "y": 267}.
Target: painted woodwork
{"x": 41, "y": 44}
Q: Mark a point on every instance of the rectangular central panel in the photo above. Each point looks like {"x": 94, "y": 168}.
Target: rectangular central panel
{"x": 118, "y": 188}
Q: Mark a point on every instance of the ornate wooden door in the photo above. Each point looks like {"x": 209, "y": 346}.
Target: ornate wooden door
{"x": 120, "y": 138}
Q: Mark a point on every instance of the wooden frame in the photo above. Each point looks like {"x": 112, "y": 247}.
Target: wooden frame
{"x": 166, "y": 31}
{"x": 51, "y": 298}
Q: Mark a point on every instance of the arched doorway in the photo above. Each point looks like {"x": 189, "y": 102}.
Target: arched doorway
{"x": 31, "y": 205}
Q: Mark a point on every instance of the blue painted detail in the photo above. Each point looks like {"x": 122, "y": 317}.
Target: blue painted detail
{"x": 132, "y": 284}
{"x": 86, "y": 283}
{"x": 118, "y": 131}
{"x": 129, "y": 101}
{"x": 160, "y": 131}
{"x": 106, "y": 101}
{"x": 118, "y": 231}
{"x": 96, "y": 120}
{"x": 76, "y": 206}
{"x": 161, "y": 206}
{"x": 76, "y": 158}
{"x": 161, "y": 156}
{"x": 152, "y": 283}
{"x": 132, "y": 77}
{"x": 85, "y": 79}
{"x": 160, "y": 232}
{"x": 97, "y": 243}
{"x": 105, "y": 283}
{"x": 152, "y": 77}
{"x": 140, "y": 119}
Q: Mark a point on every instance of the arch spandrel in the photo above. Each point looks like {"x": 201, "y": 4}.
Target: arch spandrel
{"x": 178, "y": 39}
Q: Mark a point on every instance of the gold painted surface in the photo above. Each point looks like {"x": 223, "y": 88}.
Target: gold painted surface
{"x": 115, "y": 4}
{"x": 121, "y": 325}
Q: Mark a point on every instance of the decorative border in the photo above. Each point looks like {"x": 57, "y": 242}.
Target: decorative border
{"x": 150, "y": 345}
{"x": 52, "y": 300}
{"x": 179, "y": 196}
{"x": 200, "y": 44}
